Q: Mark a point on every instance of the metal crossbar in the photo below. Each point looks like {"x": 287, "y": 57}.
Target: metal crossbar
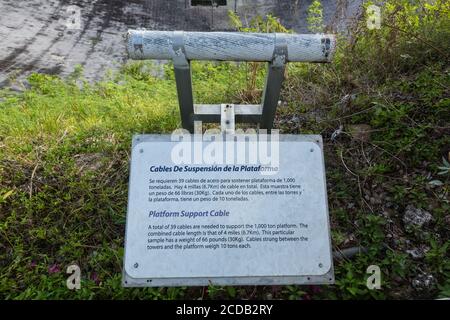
{"x": 274, "y": 48}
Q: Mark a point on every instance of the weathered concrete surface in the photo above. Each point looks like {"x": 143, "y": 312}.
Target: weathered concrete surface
{"x": 37, "y": 35}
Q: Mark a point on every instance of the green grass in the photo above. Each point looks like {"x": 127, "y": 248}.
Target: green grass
{"x": 64, "y": 156}
{"x": 64, "y": 174}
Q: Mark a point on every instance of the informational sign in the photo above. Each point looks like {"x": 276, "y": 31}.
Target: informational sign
{"x": 235, "y": 222}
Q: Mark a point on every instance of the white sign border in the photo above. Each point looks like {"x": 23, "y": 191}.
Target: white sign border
{"x": 327, "y": 278}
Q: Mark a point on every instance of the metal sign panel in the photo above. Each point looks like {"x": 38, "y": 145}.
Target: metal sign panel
{"x": 227, "y": 224}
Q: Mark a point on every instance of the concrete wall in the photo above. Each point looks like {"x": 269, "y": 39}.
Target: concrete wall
{"x": 34, "y": 36}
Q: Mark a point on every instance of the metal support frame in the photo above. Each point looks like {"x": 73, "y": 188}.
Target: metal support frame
{"x": 274, "y": 81}
{"x": 276, "y": 49}
{"x": 263, "y": 114}
{"x": 227, "y": 120}
{"x": 183, "y": 80}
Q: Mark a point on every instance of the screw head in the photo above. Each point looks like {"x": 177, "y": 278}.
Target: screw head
{"x": 136, "y": 265}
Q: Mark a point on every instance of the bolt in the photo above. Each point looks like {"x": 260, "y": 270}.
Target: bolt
{"x": 136, "y": 265}
{"x": 312, "y": 150}
{"x": 141, "y": 150}
{"x": 227, "y": 121}
{"x": 320, "y": 265}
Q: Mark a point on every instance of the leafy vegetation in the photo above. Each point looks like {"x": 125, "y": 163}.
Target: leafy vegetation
{"x": 382, "y": 108}
{"x": 315, "y": 17}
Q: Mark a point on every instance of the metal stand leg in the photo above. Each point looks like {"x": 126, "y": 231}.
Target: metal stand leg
{"x": 264, "y": 113}
{"x": 183, "y": 80}
{"x": 274, "y": 81}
